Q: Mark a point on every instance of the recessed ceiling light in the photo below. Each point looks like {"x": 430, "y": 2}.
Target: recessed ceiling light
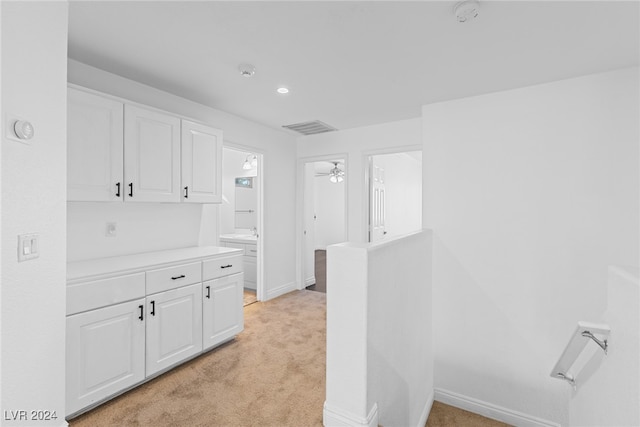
{"x": 282, "y": 90}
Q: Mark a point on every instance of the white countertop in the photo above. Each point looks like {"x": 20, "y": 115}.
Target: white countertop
{"x": 103, "y": 268}
{"x": 239, "y": 238}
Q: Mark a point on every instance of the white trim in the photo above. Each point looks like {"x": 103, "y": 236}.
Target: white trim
{"x": 300, "y": 184}
{"x": 310, "y": 281}
{"x": 490, "y": 410}
{"x": 426, "y": 410}
{"x": 332, "y": 416}
{"x": 281, "y": 290}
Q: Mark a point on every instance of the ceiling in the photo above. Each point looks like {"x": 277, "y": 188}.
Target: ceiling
{"x": 348, "y": 63}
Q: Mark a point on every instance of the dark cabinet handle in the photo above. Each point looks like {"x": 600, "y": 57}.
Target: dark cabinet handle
{"x": 186, "y": 192}
{"x": 182, "y": 276}
{"x": 226, "y": 266}
{"x": 131, "y": 189}
{"x": 118, "y": 189}
{"x": 208, "y": 292}
{"x": 141, "y": 307}
{"x": 153, "y": 308}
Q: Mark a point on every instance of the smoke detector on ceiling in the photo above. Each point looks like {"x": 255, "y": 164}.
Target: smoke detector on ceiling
{"x": 467, "y": 10}
{"x": 246, "y": 70}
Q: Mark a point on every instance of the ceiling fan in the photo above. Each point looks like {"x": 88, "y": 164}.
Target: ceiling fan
{"x": 335, "y": 175}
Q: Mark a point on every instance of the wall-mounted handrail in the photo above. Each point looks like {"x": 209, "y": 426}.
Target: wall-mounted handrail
{"x": 584, "y": 332}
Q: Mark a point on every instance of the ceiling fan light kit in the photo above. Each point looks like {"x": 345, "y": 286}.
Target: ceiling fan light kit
{"x": 466, "y": 11}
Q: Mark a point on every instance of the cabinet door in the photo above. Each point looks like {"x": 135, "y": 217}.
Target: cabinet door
{"x": 250, "y": 272}
{"x": 174, "y": 327}
{"x": 223, "y": 315}
{"x": 201, "y": 163}
{"x": 105, "y": 353}
{"x": 152, "y": 156}
{"x": 94, "y": 147}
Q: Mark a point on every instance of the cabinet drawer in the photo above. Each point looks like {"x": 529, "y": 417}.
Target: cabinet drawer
{"x": 218, "y": 267}
{"x": 173, "y": 277}
{"x": 100, "y": 293}
{"x": 251, "y": 250}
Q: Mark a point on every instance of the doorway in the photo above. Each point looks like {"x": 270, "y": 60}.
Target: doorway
{"x": 395, "y": 194}
{"x": 324, "y": 217}
{"x": 241, "y": 214}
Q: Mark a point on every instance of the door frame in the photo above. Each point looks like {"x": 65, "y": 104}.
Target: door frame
{"x": 261, "y": 292}
{"x": 366, "y": 162}
{"x": 300, "y": 214}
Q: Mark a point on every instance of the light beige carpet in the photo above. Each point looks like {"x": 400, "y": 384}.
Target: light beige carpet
{"x": 442, "y": 415}
{"x": 272, "y": 374}
{"x": 248, "y": 297}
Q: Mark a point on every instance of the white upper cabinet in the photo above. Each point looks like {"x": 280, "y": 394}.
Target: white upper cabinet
{"x": 201, "y": 163}
{"x": 123, "y": 152}
{"x": 152, "y": 156}
{"x": 94, "y": 148}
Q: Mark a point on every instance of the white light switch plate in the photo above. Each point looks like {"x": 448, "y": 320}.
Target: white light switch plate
{"x": 28, "y": 246}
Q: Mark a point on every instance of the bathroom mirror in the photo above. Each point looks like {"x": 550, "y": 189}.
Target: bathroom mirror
{"x": 246, "y": 203}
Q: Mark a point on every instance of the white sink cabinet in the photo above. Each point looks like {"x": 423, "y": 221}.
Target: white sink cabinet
{"x": 248, "y": 245}
{"x": 131, "y": 318}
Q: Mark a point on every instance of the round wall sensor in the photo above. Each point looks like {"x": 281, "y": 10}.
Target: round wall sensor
{"x": 246, "y": 70}
{"x": 23, "y": 129}
{"x": 467, "y": 10}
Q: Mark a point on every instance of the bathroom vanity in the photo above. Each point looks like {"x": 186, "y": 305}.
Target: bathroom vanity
{"x": 247, "y": 243}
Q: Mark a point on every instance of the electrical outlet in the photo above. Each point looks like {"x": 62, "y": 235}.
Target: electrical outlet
{"x": 28, "y": 247}
{"x": 111, "y": 229}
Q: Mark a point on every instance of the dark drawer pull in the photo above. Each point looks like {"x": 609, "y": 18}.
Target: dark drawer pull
{"x": 153, "y": 308}
{"x": 208, "y": 292}
{"x": 226, "y": 266}
{"x": 141, "y": 317}
{"x": 182, "y": 276}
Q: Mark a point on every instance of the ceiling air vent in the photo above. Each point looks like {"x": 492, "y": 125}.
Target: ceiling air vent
{"x": 310, "y": 128}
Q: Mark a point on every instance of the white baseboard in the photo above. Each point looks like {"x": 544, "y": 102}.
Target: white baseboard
{"x": 490, "y": 410}
{"x": 334, "y": 417}
{"x": 426, "y": 410}
{"x": 281, "y": 290}
{"x": 310, "y": 281}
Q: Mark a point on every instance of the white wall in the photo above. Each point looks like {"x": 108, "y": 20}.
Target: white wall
{"x": 329, "y": 211}
{"x": 379, "y": 329}
{"x": 357, "y": 144}
{"x": 353, "y": 145}
{"x": 531, "y": 194}
{"x": 32, "y": 315}
{"x": 403, "y": 192}
{"x": 611, "y": 395}
{"x": 277, "y": 147}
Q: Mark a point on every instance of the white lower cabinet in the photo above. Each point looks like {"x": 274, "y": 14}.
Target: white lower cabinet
{"x": 174, "y": 327}
{"x": 114, "y": 344}
{"x": 222, "y": 311}
{"x": 105, "y": 353}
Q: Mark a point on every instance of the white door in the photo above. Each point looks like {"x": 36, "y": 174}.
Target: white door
{"x": 174, "y": 327}
{"x": 201, "y": 163}
{"x": 152, "y": 156}
{"x": 105, "y": 353}
{"x": 94, "y": 147}
{"x": 377, "y": 211}
{"x": 223, "y": 315}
